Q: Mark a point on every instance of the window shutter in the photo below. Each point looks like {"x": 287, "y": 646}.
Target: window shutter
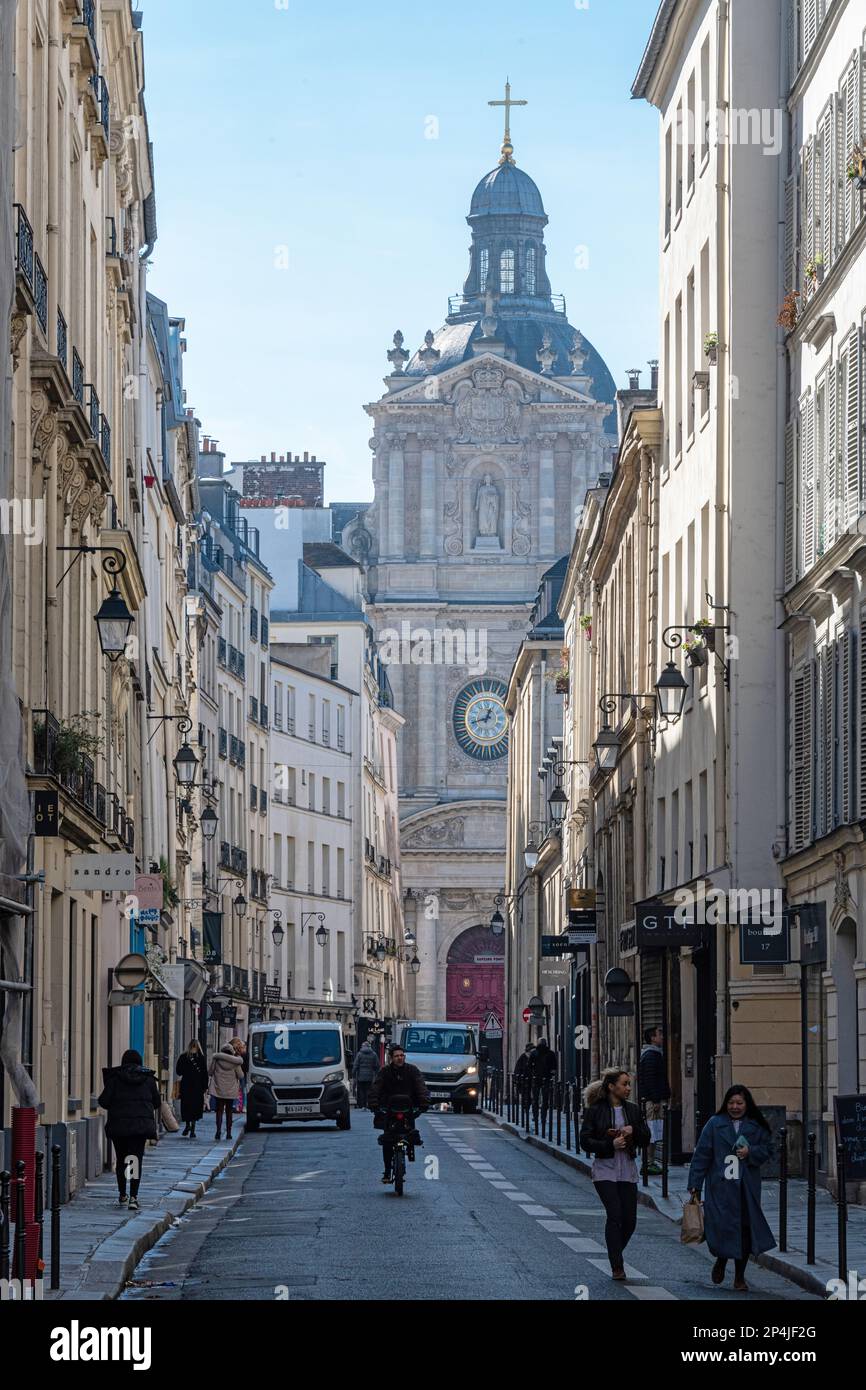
{"x": 792, "y": 39}
{"x": 851, "y": 423}
{"x": 847, "y": 127}
{"x": 826, "y": 691}
{"x": 802, "y": 749}
{"x": 790, "y": 503}
{"x": 807, "y": 240}
{"x": 807, "y": 485}
{"x": 833, "y": 524}
{"x": 861, "y": 720}
{"x": 847, "y": 674}
{"x": 810, "y": 25}
{"x": 828, "y": 173}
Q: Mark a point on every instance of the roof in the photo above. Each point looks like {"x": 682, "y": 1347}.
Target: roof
{"x": 322, "y": 555}
{"x": 655, "y": 44}
{"x": 506, "y": 190}
{"x": 318, "y": 602}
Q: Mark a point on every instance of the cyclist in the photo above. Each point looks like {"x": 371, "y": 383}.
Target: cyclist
{"x": 397, "y": 1078}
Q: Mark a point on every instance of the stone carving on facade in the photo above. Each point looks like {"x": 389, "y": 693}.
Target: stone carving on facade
{"x": 428, "y": 356}
{"x": 578, "y": 354}
{"x": 487, "y": 506}
{"x": 546, "y": 354}
{"x": 440, "y": 834}
{"x": 488, "y": 408}
{"x": 521, "y": 539}
{"x": 453, "y": 507}
{"x": 397, "y": 355}
{"x": 17, "y": 328}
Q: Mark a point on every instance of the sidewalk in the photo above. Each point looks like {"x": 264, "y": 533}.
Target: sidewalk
{"x": 102, "y": 1242}
{"x": 791, "y": 1265}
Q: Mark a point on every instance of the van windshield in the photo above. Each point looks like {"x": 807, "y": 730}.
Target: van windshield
{"x": 438, "y": 1040}
{"x": 296, "y": 1047}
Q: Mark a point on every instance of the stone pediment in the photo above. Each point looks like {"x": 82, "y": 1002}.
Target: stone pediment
{"x": 471, "y": 826}
{"x": 441, "y": 387}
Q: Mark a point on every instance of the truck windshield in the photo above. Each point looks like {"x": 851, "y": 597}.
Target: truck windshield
{"x": 438, "y": 1040}
{"x": 296, "y": 1047}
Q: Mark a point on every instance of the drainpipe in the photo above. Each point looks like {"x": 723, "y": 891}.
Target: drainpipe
{"x": 143, "y": 643}
{"x": 781, "y": 640}
{"x": 52, "y": 663}
{"x": 642, "y": 809}
{"x": 592, "y": 693}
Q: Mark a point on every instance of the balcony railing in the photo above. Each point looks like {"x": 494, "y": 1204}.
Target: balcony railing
{"x": 110, "y": 236}
{"x": 263, "y": 801}
{"x": 24, "y": 250}
{"x": 62, "y": 340}
{"x": 223, "y": 740}
{"x": 264, "y": 629}
{"x": 263, "y": 713}
{"x": 106, "y": 440}
{"x": 242, "y": 753}
{"x": 254, "y": 709}
{"x": 290, "y": 724}
{"x": 254, "y": 624}
{"x": 77, "y": 377}
{"x": 222, "y": 649}
{"x": 93, "y": 411}
{"x": 88, "y": 18}
{"x": 102, "y": 98}
{"x": 40, "y": 293}
{"x": 239, "y": 860}
{"x": 234, "y": 745}
{"x": 225, "y": 854}
{"x": 278, "y": 719}
{"x": 254, "y": 797}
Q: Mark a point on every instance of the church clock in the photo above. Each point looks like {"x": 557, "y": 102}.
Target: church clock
{"x": 480, "y": 721}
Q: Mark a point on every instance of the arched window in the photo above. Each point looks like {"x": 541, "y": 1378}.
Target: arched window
{"x": 483, "y": 269}
{"x": 529, "y": 277}
{"x": 506, "y": 272}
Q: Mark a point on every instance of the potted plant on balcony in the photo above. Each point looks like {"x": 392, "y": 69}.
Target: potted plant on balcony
{"x": 788, "y": 312}
{"x": 711, "y": 348}
{"x": 170, "y": 895}
{"x": 586, "y": 625}
{"x": 72, "y": 745}
{"x": 814, "y": 271}
{"x": 696, "y": 651}
{"x": 149, "y": 479}
{"x": 857, "y": 166}
{"x": 704, "y": 628}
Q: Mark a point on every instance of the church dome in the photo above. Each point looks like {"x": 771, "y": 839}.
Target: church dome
{"x": 506, "y": 190}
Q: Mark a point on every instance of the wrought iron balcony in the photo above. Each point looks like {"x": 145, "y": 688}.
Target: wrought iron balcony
{"x": 254, "y": 624}
{"x": 222, "y": 649}
{"x": 24, "y": 249}
{"x": 242, "y": 753}
{"x": 40, "y": 293}
{"x": 104, "y": 106}
{"x": 254, "y": 709}
{"x": 264, "y": 629}
{"x": 110, "y": 236}
{"x": 62, "y": 340}
{"x": 223, "y": 740}
{"x": 225, "y": 855}
{"x": 88, "y": 18}
{"x": 263, "y": 716}
{"x": 234, "y": 745}
{"x": 106, "y": 440}
{"x": 77, "y": 377}
{"x": 93, "y": 411}
{"x": 239, "y": 860}
{"x": 263, "y": 801}
{"x": 254, "y": 797}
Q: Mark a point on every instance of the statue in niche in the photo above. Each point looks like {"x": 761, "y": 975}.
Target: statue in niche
{"x": 487, "y": 507}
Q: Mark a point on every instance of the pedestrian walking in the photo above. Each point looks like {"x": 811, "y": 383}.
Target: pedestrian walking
{"x": 522, "y": 1072}
{"x": 613, "y": 1131}
{"x": 727, "y": 1165}
{"x": 192, "y": 1070}
{"x": 653, "y": 1090}
{"x": 542, "y": 1070}
{"x": 225, "y": 1071}
{"x": 364, "y": 1070}
{"x": 130, "y": 1096}
{"x": 240, "y": 1048}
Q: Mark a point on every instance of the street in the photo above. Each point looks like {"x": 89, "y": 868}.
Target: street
{"x": 300, "y": 1213}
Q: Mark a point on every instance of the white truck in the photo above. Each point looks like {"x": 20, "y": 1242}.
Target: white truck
{"x": 446, "y": 1054}
{"x": 298, "y": 1071}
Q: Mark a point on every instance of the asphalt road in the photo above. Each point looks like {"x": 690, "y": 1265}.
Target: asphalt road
{"x": 300, "y": 1213}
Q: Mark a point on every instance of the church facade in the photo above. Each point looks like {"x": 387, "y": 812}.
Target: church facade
{"x": 484, "y": 444}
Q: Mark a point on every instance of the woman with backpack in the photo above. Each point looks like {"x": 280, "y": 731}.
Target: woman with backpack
{"x": 131, "y": 1098}
{"x": 613, "y": 1131}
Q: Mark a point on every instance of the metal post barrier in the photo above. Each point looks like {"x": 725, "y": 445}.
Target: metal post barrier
{"x": 665, "y": 1143}
{"x": 783, "y": 1190}
{"x": 568, "y": 1117}
{"x": 558, "y": 1111}
{"x": 842, "y": 1212}
{"x": 55, "y": 1216}
{"x": 5, "y": 1224}
{"x": 39, "y": 1208}
{"x": 644, "y": 1165}
{"x": 810, "y": 1201}
{"x": 548, "y": 1096}
{"x": 19, "y": 1258}
{"x": 527, "y": 1101}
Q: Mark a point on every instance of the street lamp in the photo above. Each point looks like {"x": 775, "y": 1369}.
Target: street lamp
{"x": 208, "y": 822}
{"x": 322, "y": 934}
{"x": 415, "y": 965}
{"x": 113, "y": 623}
{"x": 606, "y": 749}
{"x": 277, "y": 932}
{"x": 185, "y": 766}
{"x": 240, "y": 905}
{"x": 557, "y": 804}
{"x": 379, "y": 950}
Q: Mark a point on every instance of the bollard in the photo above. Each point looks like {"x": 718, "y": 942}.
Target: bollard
{"x": 842, "y": 1213}
{"x": 644, "y": 1166}
{"x": 568, "y": 1117}
{"x": 665, "y": 1141}
{"x": 548, "y": 1096}
{"x": 39, "y": 1208}
{"x": 810, "y": 1201}
{"x": 558, "y": 1113}
{"x": 19, "y": 1259}
{"x": 783, "y": 1190}
{"x": 55, "y": 1216}
{"x": 5, "y": 1224}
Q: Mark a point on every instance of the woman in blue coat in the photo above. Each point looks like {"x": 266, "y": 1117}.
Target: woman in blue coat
{"x": 727, "y": 1164}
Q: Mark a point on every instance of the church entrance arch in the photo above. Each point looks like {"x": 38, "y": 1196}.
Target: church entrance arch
{"x": 475, "y": 980}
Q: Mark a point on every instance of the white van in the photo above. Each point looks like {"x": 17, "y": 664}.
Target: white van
{"x": 446, "y": 1054}
{"x": 298, "y": 1071}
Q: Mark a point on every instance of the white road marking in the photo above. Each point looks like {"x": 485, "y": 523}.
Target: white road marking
{"x": 582, "y": 1245}
{"x": 494, "y": 1175}
{"x": 558, "y": 1227}
{"x": 650, "y": 1293}
{"x": 533, "y": 1210}
{"x": 503, "y": 1185}
{"x": 518, "y": 1196}
{"x": 630, "y": 1271}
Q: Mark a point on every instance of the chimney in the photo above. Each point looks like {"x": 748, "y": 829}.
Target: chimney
{"x": 264, "y": 458}
{"x": 653, "y": 365}
{"x": 282, "y": 458}
{"x": 604, "y": 479}
{"x": 633, "y": 374}
{"x": 306, "y": 457}
{"x": 313, "y": 459}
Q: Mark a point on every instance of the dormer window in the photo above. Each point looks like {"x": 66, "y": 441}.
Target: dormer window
{"x": 529, "y": 275}
{"x": 483, "y": 269}
{"x": 506, "y": 272}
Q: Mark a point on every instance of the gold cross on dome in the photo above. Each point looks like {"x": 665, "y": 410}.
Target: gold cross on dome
{"x": 507, "y": 155}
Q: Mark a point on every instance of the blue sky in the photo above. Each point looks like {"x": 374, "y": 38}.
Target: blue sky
{"x": 291, "y": 133}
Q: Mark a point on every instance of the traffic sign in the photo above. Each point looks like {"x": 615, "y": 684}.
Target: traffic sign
{"x": 492, "y": 1026}
{"x": 527, "y": 1015}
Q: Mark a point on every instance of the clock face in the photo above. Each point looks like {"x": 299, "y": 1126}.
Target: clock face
{"x": 480, "y": 721}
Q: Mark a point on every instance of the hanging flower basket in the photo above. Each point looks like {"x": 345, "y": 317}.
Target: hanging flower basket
{"x": 586, "y": 626}
{"x": 704, "y": 629}
{"x": 696, "y": 653}
{"x": 561, "y": 686}
{"x": 815, "y": 271}
{"x": 857, "y": 167}
{"x": 788, "y": 312}
{"x": 711, "y": 348}
{"x": 149, "y": 479}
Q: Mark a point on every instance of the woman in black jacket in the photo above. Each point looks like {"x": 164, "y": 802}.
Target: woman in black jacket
{"x": 192, "y": 1070}
{"x": 613, "y": 1131}
{"x": 131, "y": 1097}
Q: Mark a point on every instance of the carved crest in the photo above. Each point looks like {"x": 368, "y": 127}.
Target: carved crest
{"x": 487, "y": 408}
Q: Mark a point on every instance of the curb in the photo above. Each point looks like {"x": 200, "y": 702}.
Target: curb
{"x": 113, "y": 1261}
{"x": 795, "y": 1274}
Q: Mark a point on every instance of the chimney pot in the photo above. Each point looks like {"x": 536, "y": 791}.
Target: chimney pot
{"x": 264, "y": 458}
{"x": 306, "y": 457}
{"x": 654, "y": 373}
{"x": 273, "y": 458}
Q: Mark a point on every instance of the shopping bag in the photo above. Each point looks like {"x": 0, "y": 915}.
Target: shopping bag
{"x": 175, "y": 1091}
{"x": 167, "y": 1116}
{"x": 692, "y": 1232}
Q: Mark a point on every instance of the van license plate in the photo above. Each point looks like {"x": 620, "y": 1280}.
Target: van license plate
{"x": 440, "y": 1095}
{"x": 298, "y": 1109}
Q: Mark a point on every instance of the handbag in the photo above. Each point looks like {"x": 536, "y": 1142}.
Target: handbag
{"x": 166, "y": 1114}
{"x": 692, "y": 1232}
{"x": 175, "y": 1091}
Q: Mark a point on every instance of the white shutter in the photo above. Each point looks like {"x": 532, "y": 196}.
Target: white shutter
{"x": 833, "y": 522}
{"x": 826, "y": 745}
{"x": 847, "y": 668}
{"x": 792, "y": 39}
{"x": 810, "y": 25}
{"x": 851, "y": 426}
{"x": 790, "y": 230}
{"x": 847, "y": 128}
{"x": 791, "y": 503}
{"x": 802, "y": 751}
{"x": 807, "y": 481}
{"x": 861, "y": 720}
{"x": 828, "y": 174}
{"x": 807, "y": 240}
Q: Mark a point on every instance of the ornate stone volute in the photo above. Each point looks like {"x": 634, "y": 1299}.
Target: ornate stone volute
{"x": 397, "y": 355}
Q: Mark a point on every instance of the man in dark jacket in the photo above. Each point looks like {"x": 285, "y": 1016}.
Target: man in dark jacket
{"x": 653, "y": 1089}
{"x": 542, "y": 1071}
{"x": 364, "y": 1069}
{"x": 131, "y": 1097}
{"x": 397, "y": 1078}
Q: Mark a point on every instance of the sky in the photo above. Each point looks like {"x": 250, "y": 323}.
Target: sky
{"x": 315, "y": 161}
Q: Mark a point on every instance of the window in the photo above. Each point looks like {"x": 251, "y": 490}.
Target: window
{"x": 326, "y": 722}
{"x": 326, "y": 870}
{"x": 290, "y": 861}
{"x": 506, "y": 272}
{"x": 311, "y": 791}
{"x": 483, "y": 269}
{"x": 341, "y": 727}
{"x": 311, "y": 718}
{"x": 341, "y": 961}
{"x": 290, "y": 709}
{"x": 704, "y": 132}
{"x": 690, "y": 133}
{"x": 341, "y": 873}
{"x": 678, "y": 376}
{"x": 678, "y": 185}
{"x": 326, "y": 795}
{"x": 703, "y": 830}
{"x": 690, "y": 350}
{"x": 341, "y": 799}
{"x": 311, "y": 867}
{"x": 668, "y": 177}
{"x": 278, "y": 860}
{"x": 278, "y": 705}
{"x": 529, "y": 279}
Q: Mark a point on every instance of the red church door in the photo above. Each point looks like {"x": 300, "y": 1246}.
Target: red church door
{"x": 475, "y": 977}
